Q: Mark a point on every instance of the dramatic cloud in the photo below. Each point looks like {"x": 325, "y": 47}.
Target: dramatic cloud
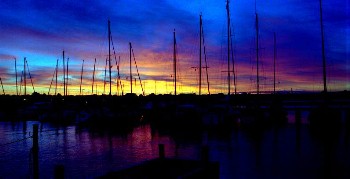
{"x": 41, "y": 30}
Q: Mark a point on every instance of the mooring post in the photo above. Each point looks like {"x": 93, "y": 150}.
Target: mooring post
{"x": 161, "y": 151}
{"x": 59, "y": 172}
{"x": 205, "y": 153}
{"x": 35, "y": 150}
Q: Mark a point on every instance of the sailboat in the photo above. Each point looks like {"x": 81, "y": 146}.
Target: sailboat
{"x": 324, "y": 120}
{"x": 111, "y": 113}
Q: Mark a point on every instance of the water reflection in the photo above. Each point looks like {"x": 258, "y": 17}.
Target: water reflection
{"x": 290, "y": 151}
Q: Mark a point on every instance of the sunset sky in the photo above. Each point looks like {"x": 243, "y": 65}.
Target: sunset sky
{"x": 41, "y": 30}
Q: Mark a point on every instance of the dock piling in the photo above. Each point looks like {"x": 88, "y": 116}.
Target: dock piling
{"x": 161, "y": 151}
{"x": 59, "y": 172}
{"x": 205, "y": 153}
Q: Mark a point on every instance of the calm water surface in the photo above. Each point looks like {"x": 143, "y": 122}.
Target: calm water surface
{"x": 284, "y": 152}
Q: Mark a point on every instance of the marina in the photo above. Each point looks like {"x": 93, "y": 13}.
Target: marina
{"x": 168, "y": 95}
{"x": 243, "y": 145}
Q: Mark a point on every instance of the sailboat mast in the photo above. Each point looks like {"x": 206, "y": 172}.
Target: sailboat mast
{"x": 257, "y": 52}
{"x": 56, "y": 77}
{"x": 274, "y": 62}
{"x": 205, "y": 60}
{"x": 16, "y": 76}
{"x": 174, "y": 63}
{"x": 130, "y": 68}
{"x": 81, "y": 75}
{"x": 233, "y": 63}
{"x": 104, "y": 80}
{"x": 67, "y": 77}
{"x": 93, "y": 78}
{"x": 109, "y": 57}
{"x": 64, "y": 75}
{"x": 118, "y": 81}
{"x": 200, "y": 54}
{"x": 323, "y": 52}
{"x": 21, "y": 83}
{"x": 228, "y": 46}
{"x": 24, "y": 76}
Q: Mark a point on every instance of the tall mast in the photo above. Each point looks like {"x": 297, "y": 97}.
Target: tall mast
{"x": 93, "y": 78}
{"x": 21, "y": 83}
{"x": 24, "y": 76}
{"x": 16, "y": 76}
{"x": 274, "y": 62}
{"x": 200, "y": 53}
{"x": 104, "y": 81}
{"x": 323, "y": 52}
{"x": 64, "y": 75}
{"x": 56, "y": 77}
{"x": 233, "y": 63}
{"x": 257, "y": 52}
{"x": 228, "y": 46}
{"x": 118, "y": 81}
{"x": 205, "y": 59}
{"x": 174, "y": 62}
{"x": 81, "y": 75}
{"x": 130, "y": 68}
{"x": 109, "y": 57}
{"x": 67, "y": 77}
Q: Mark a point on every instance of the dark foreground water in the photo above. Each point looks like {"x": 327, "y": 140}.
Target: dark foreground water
{"x": 284, "y": 152}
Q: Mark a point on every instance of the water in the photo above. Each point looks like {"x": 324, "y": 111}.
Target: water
{"x": 285, "y": 152}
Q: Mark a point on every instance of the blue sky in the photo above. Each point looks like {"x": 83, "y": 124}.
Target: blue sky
{"x": 40, "y": 30}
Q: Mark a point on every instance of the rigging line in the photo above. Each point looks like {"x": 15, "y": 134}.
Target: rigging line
{"x": 104, "y": 80}
{"x": 205, "y": 59}
{"x": 16, "y": 141}
{"x": 53, "y": 76}
{"x": 138, "y": 74}
{"x": 233, "y": 61}
{"x": 117, "y": 79}
{"x": 116, "y": 63}
{"x": 30, "y": 76}
{"x": 120, "y": 81}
